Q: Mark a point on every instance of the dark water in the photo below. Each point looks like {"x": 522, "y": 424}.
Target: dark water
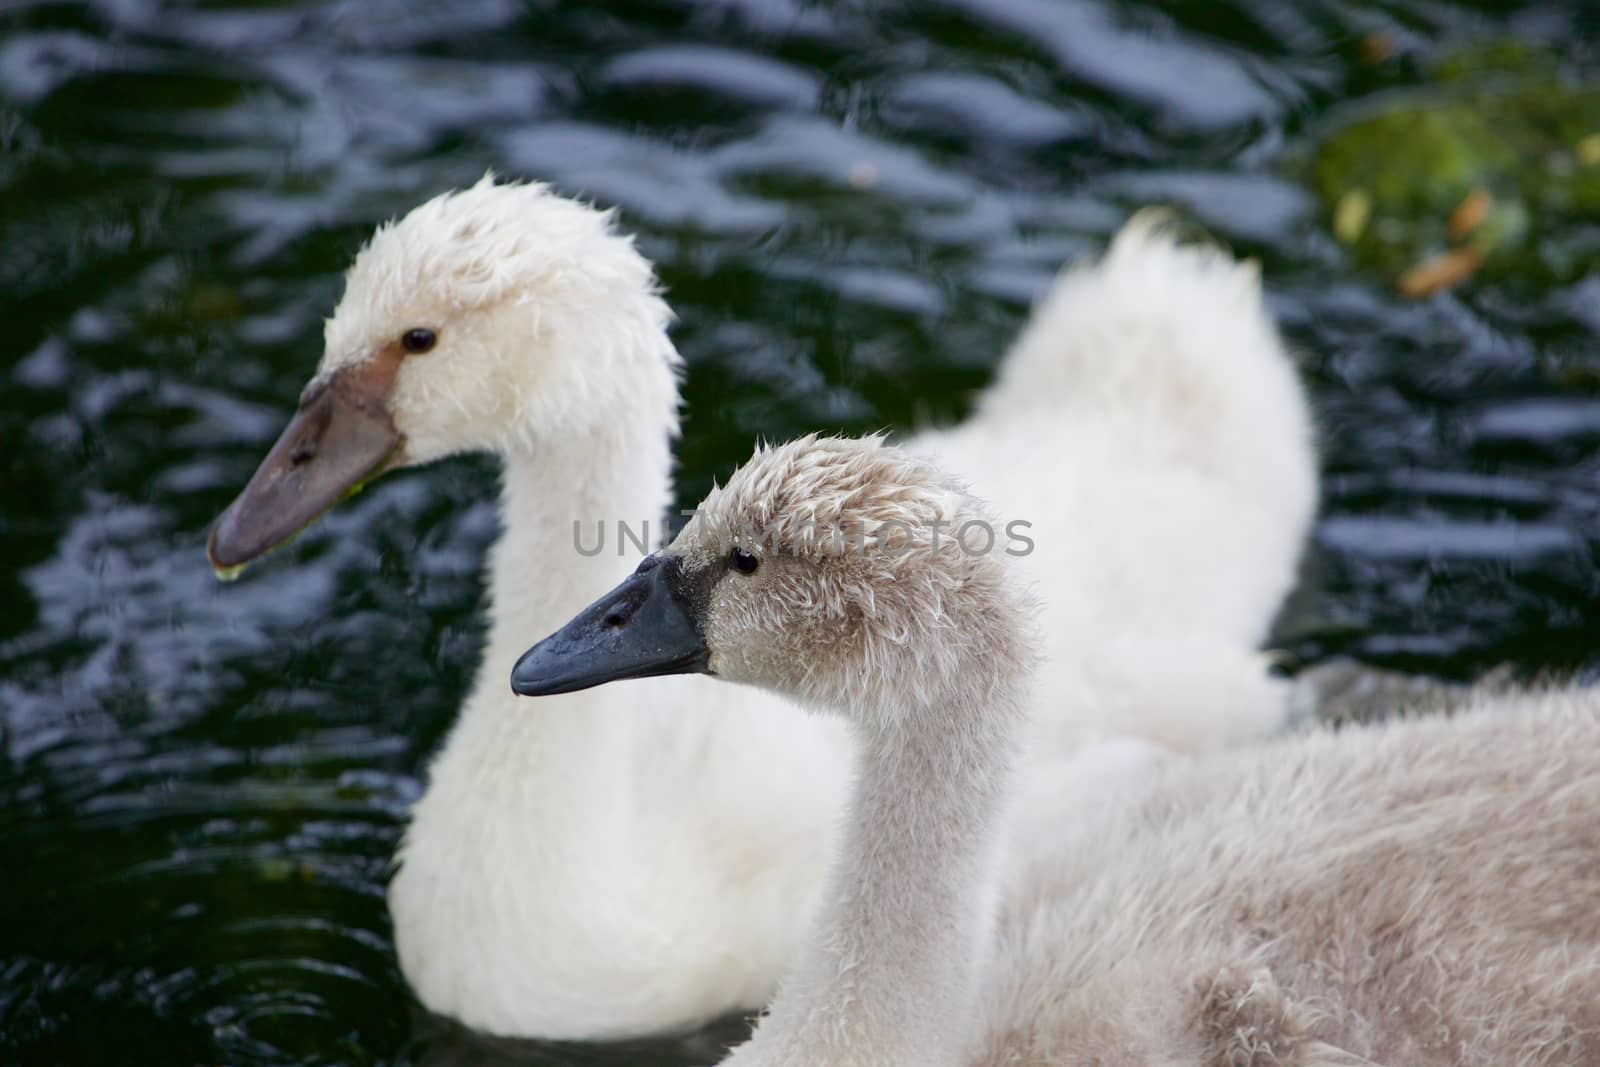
{"x": 851, "y": 204}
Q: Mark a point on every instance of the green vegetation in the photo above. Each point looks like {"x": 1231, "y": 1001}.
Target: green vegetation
{"x": 1490, "y": 168}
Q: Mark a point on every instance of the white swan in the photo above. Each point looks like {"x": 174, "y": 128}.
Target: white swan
{"x": 634, "y": 860}
{"x": 1421, "y": 893}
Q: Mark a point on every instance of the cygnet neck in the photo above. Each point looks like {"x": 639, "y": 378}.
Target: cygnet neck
{"x": 888, "y": 974}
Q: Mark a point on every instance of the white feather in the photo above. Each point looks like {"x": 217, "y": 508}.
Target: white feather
{"x": 641, "y": 858}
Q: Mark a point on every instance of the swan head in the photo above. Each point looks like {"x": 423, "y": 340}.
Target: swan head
{"x": 827, "y": 570}
{"x": 487, "y": 319}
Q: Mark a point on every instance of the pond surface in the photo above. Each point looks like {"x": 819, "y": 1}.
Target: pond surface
{"x": 201, "y": 785}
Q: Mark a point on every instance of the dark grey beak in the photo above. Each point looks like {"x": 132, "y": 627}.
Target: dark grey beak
{"x": 644, "y": 627}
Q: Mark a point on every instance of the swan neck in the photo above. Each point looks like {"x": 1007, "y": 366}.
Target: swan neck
{"x": 889, "y": 975}
{"x": 576, "y": 519}
{"x": 570, "y": 513}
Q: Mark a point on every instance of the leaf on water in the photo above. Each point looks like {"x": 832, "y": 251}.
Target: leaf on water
{"x": 1438, "y": 273}
{"x": 1469, "y": 214}
{"x": 1350, "y": 215}
{"x": 1588, "y": 150}
{"x": 1378, "y": 46}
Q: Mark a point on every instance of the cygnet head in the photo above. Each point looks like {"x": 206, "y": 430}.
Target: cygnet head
{"x": 488, "y": 319}
{"x": 827, "y": 570}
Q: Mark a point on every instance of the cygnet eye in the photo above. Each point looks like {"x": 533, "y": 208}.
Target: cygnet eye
{"x": 418, "y": 340}
{"x": 743, "y": 562}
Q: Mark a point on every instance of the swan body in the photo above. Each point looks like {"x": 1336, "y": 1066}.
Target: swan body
{"x": 1150, "y": 426}
{"x": 637, "y": 860}
{"x": 1420, "y": 892}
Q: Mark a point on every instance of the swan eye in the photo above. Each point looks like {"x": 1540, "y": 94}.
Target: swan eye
{"x": 743, "y": 562}
{"x": 418, "y": 340}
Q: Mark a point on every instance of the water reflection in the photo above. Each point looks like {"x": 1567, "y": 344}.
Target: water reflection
{"x": 203, "y": 786}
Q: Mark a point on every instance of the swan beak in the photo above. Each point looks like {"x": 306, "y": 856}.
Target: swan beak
{"x": 644, "y": 627}
{"x": 340, "y": 439}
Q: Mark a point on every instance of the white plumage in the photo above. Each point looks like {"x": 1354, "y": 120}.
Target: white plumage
{"x": 642, "y": 858}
